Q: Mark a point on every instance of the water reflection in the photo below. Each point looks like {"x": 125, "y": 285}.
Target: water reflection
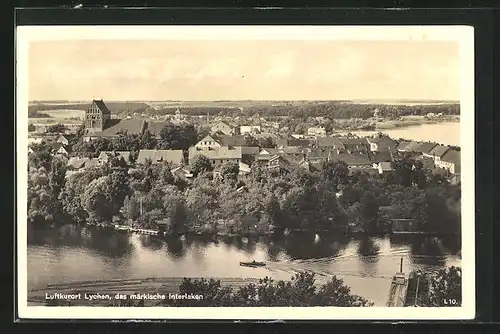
{"x": 73, "y": 254}
{"x": 176, "y": 248}
{"x": 305, "y": 246}
{"x": 151, "y": 242}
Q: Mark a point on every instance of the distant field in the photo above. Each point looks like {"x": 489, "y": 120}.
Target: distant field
{"x": 53, "y": 121}
{"x": 65, "y": 113}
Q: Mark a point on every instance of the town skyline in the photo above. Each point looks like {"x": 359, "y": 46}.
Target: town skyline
{"x": 230, "y": 70}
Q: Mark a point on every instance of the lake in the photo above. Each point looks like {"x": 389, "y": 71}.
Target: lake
{"x": 71, "y": 254}
{"x": 442, "y": 133}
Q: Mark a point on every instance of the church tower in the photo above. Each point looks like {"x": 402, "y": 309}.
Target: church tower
{"x": 97, "y": 116}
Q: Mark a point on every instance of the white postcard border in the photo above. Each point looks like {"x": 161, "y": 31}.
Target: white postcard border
{"x": 462, "y": 34}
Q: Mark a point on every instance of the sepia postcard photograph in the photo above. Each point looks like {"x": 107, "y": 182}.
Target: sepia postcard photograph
{"x": 245, "y": 172}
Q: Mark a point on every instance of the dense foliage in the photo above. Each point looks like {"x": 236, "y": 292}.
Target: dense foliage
{"x": 300, "y": 291}
{"x": 223, "y": 200}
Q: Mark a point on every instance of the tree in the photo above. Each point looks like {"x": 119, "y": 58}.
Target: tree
{"x": 57, "y": 128}
{"x": 201, "y": 164}
{"x": 57, "y": 176}
{"x": 41, "y": 157}
{"x": 95, "y": 201}
{"x": 403, "y": 172}
{"x": 335, "y": 173}
{"x": 229, "y": 172}
{"x": 131, "y": 208}
{"x": 300, "y": 291}
{"x": 177, "y": 137}
{"x": 41, "y": 201}
{"x": 175, "y": 209}
{"x": 445, "y": 288}
{"x": 31, "y": 128}
{"x": 147, "y": 141}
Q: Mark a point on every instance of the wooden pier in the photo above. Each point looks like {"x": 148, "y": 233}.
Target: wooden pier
{"x": 398, "y": 289}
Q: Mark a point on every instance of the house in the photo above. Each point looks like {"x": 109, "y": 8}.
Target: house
{"x": 402, "y": 145}
{"x": 377, "y": 157}
{"x": 104, "y": 156}
{"x": 290, "y": 141}
{"x": 62, "y": 140}
{"x": 277, "y": 163}
{"x": 244, "y": 169}
{"x": 316, "y": 131}
{"x": 175, "y": 157}
{"x": 250, "y": 129}
{"x": 292, "y": 153}
{"x": 317, "y": 155}
{"x": 236, "y": 140}
{"x": 427, "y": 163}
{"x": 311, "y": 166}
{"x": 425, "y": 148}
{"x": 58, "y": 148}
{"x": 410, "y": 147}
{"x": 328, "y": 143}
{"x": 265, "y": 154}
{"x": 381, "y": 144}
{"x": 117, "y": 126}
{"x": 352, "y": 161}
{"x": 80, "y": 164}
{"x": 384, "y": 167}
{"x": 225, "y": 128}
{"x": 208, "y": 141}
{"x": 355, "y": 145}
{"x": 450, "y": 161}
{"x": 437, "y": 152}
{"x": 182, "y": 172}
{"x": 217, "y": 155}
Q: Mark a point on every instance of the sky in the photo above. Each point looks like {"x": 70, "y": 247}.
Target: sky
{"x": 207, "y": 70}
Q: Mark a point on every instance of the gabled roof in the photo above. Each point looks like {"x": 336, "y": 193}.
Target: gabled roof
{"x": 381, "y": 157}
{"x": 426, "y": 161}
{"x": 425, "y": 147}
{"x": 452, "y": 156}
{"x": 77, "y": 162}
{"x": 438, "y": 150}
{"x": 57, "y": 146}
{"x": 106, "y": 154}
{"x": 217, "y": 153}
{"x": 317, "y": 154}
{"x": 102, "y": 106}
{"x": 351, "y": 160}
{"x": 412, "y": 147}
{"x": 172, "y": 156}
{"x": 280, "y": 158}
{"x": 329, "y": 142}
{"x": 384, "y": 142}
{"x": 292, "y": 142}
{"x": 354, "y": 141}
{"x": 385, "y": 166}
{"x": 291, "y": 150}
{"x": 248, "y": 150}
{"x": 131, "y": 126}
{"x": 238, "y": 140}
{"x": 268, "y": 151}
{"x": 402, "y": 145}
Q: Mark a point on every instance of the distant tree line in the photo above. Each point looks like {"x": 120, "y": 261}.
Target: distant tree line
{"x": 332, "y": 110}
